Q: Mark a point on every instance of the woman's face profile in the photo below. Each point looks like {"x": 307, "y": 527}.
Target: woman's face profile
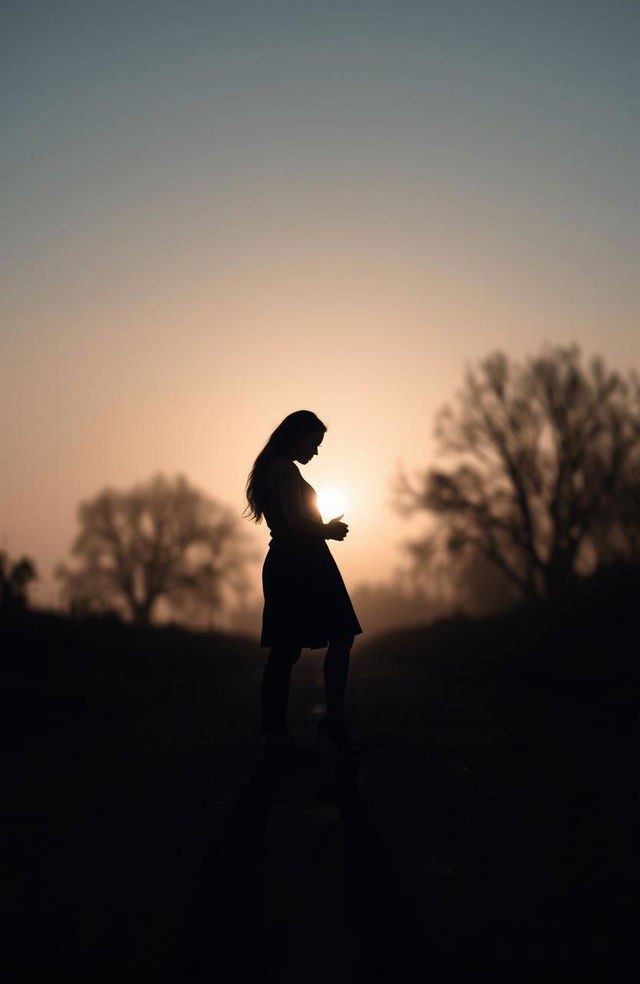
{"x": 307, "y": 446}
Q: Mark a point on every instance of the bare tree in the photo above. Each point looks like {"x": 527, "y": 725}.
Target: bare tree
{"x": 15, "y": 577}
{"x": 547, "y": 474}
{"x": 162, "y": 539}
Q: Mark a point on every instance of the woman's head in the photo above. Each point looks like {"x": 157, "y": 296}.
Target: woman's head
{"x": 297, "y": 437}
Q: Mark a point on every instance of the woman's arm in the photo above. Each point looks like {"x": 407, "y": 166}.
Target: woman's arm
{"x": 286, "y": 479}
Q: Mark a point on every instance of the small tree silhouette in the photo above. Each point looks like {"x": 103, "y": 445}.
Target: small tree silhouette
{"x": 15, "y": 576}
{"x": 161, "y": 539}
{"x": 548, "y": 470}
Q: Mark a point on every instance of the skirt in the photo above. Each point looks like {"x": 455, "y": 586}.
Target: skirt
{"x": 306, "y": 603}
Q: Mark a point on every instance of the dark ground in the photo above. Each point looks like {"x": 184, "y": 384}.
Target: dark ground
{"x": 490, "y": 833}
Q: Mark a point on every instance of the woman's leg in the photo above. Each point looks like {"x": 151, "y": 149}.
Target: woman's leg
{"x": 275, "y": 687}
{"x": 336, "y": 668}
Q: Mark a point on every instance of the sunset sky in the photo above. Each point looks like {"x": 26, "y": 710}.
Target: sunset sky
{"x": 216, "y": 213}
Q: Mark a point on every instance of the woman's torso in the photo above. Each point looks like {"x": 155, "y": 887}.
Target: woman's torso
{"x": 274, "y": 512}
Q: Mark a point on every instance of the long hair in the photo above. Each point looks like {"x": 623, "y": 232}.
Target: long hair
{"x": 281, "y": 442}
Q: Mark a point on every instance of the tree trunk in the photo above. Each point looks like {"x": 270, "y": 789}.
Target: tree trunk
{"x": 559, "y": 574}
{"x": 141, "y": 611}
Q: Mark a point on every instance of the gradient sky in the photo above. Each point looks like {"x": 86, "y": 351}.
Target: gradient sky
{"x": 216, "y": 213}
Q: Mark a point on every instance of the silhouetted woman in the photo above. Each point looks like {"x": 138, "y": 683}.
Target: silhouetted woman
{"x": 305, "y": 601}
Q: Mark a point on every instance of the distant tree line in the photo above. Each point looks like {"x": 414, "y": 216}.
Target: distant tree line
{"x": 545, "y": 486}
{"x": 160, "y": 542}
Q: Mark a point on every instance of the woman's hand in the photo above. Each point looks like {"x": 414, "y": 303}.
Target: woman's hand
{"x": 336, "y": 530}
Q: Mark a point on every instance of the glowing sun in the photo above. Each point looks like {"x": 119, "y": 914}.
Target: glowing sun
{"x": 331, "y": 503}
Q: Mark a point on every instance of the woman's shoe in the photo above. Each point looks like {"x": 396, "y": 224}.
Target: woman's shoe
{"x": 338, "y": 735}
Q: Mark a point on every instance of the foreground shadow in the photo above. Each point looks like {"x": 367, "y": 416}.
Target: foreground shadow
{"x": 391, "y": 948}
{"x": 220, "y": 937}
{"x": 265, "y": 907}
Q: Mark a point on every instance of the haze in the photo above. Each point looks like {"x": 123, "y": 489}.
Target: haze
{"x": 217, "y": 213}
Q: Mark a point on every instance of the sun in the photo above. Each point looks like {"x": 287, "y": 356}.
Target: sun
{"x": 331, "y": 503}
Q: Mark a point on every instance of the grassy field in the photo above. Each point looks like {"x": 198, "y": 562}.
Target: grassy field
{"x": 489, "y": 833}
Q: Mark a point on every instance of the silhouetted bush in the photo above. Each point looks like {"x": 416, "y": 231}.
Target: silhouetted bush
{"x": 15, "y": 577}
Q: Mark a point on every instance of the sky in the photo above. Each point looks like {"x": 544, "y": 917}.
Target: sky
{"x": 216, "y": 213}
